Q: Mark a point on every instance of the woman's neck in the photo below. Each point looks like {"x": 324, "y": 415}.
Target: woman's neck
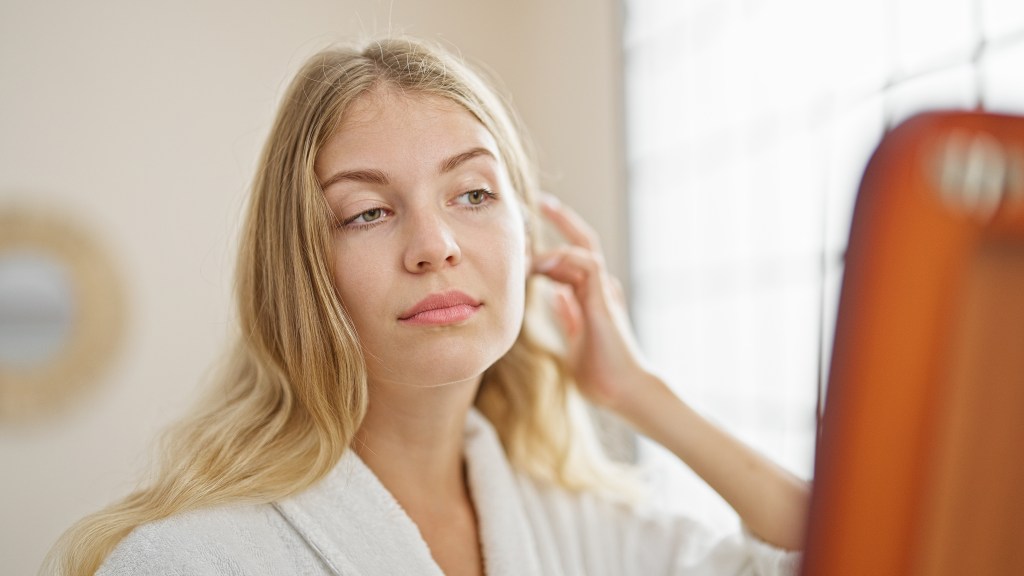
{"x": 412, "y": 439}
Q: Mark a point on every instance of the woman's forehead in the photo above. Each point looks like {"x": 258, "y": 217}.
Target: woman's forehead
{"x": 381, "y": 98}
{"x": 395, "y": 126}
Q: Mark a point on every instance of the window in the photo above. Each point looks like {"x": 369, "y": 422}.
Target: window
{"x": 748, "y": 126}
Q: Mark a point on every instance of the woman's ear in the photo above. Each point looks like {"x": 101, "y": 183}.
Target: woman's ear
{"x": 528, "y": 257}
{"x": 529, "y": 245}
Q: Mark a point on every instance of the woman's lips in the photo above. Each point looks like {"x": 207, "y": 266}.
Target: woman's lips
{"x": 441, "y": 308}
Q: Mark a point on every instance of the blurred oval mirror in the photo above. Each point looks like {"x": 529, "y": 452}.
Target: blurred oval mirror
{"x": 36, "y": 307}
{"x": 61, "y": 311}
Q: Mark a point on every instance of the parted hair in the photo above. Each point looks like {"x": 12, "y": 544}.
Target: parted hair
{"x": 293, "y": 389}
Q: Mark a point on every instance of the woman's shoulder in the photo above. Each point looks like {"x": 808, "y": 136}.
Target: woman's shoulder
{"x": 608, "y": 534}
{"x": 232, "y": 539}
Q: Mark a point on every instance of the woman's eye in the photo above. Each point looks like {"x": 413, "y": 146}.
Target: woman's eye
{"x": 477, "y": 197}
{"x": 366, "y": 216}
{"x": 371, "y": 215}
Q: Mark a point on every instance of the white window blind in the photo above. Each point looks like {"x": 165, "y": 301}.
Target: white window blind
{"x": 748, "y": 126}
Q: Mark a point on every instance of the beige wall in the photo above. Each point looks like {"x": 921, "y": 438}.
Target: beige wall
{"x": 142, "y": 121}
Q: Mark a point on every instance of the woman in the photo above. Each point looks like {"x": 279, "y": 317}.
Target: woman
{"x": 387, "y": 410}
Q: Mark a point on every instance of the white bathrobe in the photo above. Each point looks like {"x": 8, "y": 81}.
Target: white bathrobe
{"x": 349, "y": 524}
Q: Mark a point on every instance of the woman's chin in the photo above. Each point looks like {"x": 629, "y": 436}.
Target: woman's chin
{"x": 432, "y": 373}
{"x": 449, "y": 363}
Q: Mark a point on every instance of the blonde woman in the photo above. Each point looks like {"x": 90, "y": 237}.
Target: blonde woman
{"x": 387, "y": 409}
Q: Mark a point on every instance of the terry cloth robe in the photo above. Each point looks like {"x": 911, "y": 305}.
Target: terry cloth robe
{"x": 348, "y": 524}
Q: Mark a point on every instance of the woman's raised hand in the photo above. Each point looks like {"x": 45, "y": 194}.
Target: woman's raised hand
{"x": 603, "y": 353}
{"x": 610, "y": 371}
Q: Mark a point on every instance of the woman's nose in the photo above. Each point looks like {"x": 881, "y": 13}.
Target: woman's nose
{"x": 431, "y": 244}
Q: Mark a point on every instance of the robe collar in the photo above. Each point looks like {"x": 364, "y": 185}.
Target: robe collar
{"x": 357, "y": 527}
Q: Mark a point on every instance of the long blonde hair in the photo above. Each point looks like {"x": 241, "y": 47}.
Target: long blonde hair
{"x": 293, "y": 391}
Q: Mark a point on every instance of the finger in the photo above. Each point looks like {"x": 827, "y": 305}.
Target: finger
{"x": 569, "y": 224}
{"x": 568, "y": 310}
{"x": 580, "y": 268}
{"x": 616, "y": 290}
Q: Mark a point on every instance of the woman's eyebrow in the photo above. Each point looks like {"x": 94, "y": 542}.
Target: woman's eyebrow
{"x": 368, "y": 176}
{"x": 374, "y": 176}
{"x": 452, "y": 163}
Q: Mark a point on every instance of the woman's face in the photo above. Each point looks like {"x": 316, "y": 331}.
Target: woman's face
{"x": 430, "y": 251}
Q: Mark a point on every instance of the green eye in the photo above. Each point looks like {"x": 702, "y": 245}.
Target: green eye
{"x": 476, "y": 197}
{"x": 365, "y": 217}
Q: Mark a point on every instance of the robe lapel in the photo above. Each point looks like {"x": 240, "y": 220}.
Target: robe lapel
{"x": 505, "y": 534}
{"x": 358, "y": 528}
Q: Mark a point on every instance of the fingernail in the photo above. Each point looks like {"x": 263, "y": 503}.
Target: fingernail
{"x": 549, "y": 200}
{"x": 546, "y": 264}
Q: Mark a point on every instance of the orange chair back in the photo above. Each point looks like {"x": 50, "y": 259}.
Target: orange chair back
{"x": 920, "y": 462}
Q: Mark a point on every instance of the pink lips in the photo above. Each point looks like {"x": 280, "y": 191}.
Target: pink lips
{"x": 440, "y": 309}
